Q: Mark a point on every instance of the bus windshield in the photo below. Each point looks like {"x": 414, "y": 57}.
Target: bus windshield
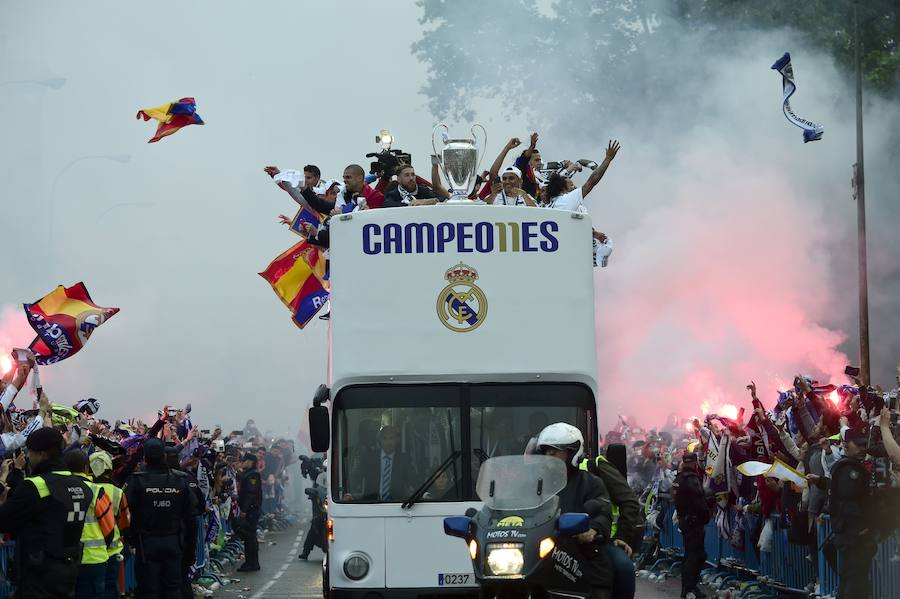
{"x": 391, "y": 440}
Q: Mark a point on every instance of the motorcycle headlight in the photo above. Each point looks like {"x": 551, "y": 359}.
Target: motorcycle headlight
{"x": 356, "y": 566}
{"x": 505, "y": 559}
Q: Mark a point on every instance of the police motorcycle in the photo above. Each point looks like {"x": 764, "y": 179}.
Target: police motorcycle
{"x": 519, "y": 542}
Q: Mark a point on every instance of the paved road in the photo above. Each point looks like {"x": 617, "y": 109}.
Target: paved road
{"x": 283, "y": 576}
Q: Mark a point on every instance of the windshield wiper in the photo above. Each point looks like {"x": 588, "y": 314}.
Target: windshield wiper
{"x": 417, "y": 495}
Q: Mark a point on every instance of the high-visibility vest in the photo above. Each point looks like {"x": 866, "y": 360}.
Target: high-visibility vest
{"x": 92, "y": 536}
{"x": 615, "y": 508}
{"x": 115, "y": 496}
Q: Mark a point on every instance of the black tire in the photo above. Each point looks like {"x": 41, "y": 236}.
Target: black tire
{"x": 326, "y": 582}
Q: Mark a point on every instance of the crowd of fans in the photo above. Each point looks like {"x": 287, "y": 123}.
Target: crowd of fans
{"x": 527, "y": 181}
{"x": 806, "y": 432}
{"x": 211, "y": 459}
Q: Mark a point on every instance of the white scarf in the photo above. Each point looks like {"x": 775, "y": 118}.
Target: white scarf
{"x": 407, "y": 196}
{"x": 811, "y": 131}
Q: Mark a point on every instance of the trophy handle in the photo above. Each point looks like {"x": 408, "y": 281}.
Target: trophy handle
{"x": 483, "y": 144}
{"x": 445, "y": 136}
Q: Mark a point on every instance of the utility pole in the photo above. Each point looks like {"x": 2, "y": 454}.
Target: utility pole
{"x": 859, "y": 193}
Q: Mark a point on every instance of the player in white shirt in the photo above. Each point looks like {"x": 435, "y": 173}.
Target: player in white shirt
{"x": 510, "y": 192}
{"x": 561, "y": 193}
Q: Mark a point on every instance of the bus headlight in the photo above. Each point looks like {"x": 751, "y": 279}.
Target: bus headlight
{"x": 505, "y": 559}
{"x": 356, "y": 566}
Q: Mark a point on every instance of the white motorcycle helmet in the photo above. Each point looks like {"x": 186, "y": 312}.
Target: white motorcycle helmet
{"x": 563, "y": 436}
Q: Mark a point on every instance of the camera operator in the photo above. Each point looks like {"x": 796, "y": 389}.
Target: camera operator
{"x": 409, "y": 192}
{"x": 314, "y": 469}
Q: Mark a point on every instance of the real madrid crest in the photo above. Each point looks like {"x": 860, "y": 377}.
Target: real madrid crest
{"x": 461, "y": 305}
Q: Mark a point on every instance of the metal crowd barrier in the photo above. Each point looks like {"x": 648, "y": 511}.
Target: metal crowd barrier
{"x": 786, "y": 568}
{"x": 7, "y": 550}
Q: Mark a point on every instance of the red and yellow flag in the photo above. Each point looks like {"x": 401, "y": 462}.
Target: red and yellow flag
{"x": 172, "y": 117}
{"x": 298, "y": 278}
{"x": 64, "y": 320}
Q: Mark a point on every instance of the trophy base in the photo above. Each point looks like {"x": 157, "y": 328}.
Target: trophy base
{"x": 460, "y": 198}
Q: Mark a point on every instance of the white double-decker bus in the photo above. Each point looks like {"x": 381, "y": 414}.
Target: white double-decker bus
{"x": 457, "y": 333}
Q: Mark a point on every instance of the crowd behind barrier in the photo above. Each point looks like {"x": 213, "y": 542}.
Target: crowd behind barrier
{"x": 210, "y": 459}
{"x": 750, "y": 573}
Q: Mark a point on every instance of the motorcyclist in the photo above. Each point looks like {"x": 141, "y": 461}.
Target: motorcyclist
{"x": 565, "y": 442}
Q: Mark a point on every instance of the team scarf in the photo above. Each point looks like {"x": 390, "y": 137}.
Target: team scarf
{"x": 811, "y": 131}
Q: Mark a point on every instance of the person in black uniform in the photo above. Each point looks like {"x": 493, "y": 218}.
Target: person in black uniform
{"x": 850, "y": 506}
{"x": 693, "y": 514}
{"x": 46, "y": 515}
{"x": 173, "y": 452}
{"x": 250, "y": 502}
{"x": 163, "y": 527}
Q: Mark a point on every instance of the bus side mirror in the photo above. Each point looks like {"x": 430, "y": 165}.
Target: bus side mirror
{"x": 458, "y": 526}
{"x": 319, "y": 429}
{"x": 571, "y": 524}
{"x": 319, "y": 424}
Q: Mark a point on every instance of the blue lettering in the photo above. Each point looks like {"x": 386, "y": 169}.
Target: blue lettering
{"x": 371, "y": 247}
{"x": 527, "y": 236}
{"x": 445, "y": 234}
{"x": 420, "y": 233}
{"x": 462, "y": 234}
{"x": 484, "y": 237}
{"x": 393, "y": 239}
{"x": 550, "y": 243}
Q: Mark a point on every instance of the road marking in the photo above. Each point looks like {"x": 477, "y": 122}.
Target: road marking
{"x": 287, "y": 564}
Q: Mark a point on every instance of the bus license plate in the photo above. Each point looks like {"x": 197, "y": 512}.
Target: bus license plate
{"x": 454, "y": 580}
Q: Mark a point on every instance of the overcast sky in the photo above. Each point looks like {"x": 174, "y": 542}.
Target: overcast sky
{"x": 284, "y": 83}
{"x": 711, "y": 221}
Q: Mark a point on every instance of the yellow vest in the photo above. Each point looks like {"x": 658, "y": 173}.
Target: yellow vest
{"x": 41, "y": 485}
{"x": 92, "y": 537}
{"x": 115, "y": 495}
{"x": 615, "y": 508}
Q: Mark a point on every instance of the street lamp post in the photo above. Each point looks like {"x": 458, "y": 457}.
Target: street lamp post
{"x": 120, "y": 158}
{"x": 859, "y": 193}
{"x": 52, "y": 83}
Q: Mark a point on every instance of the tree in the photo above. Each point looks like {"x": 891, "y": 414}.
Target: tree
{"x": 825, "y": 24}
{"x": 615, "y": 56}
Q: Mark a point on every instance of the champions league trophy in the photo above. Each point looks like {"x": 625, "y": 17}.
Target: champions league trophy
{"x": 459, "y": 159}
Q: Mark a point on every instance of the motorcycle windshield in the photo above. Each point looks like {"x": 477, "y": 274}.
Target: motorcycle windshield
{"x": 518, "y": 482}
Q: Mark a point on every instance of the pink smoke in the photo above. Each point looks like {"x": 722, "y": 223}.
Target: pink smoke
{"x": 724, "y": 284}
{"x": 14, "y": 330}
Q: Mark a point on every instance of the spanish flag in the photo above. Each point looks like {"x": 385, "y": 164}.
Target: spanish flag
{"x": 64, "y": 320}
{"x": 298, "y": 278}
{"x": 172, "y": 117}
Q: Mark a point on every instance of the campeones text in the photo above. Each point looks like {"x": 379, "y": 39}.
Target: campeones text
{"x": 481, "y": 237}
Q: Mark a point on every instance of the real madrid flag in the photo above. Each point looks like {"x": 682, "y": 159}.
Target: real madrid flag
{"x": 298, "y": 277}
{"x": 64, "y": 320}
{"x": 811, "y": 131}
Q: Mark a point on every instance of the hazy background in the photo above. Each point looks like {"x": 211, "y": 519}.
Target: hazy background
{"x": 735, "y": 242}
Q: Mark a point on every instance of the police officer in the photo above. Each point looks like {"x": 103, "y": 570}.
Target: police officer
{"x": 163, "y": 529}
{"x": 46, "y": 516}
{"x": 172, "y": 460}
{"x": 693, "y": 514}
{"x": 851, "y": 506}
{"x": 99, "y": 525}
{"x": 250, "y": 502}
